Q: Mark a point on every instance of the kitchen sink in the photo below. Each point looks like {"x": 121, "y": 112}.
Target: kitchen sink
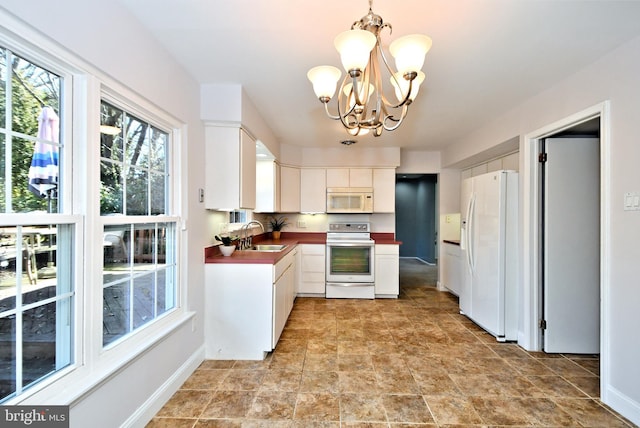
{"x": 273, "y": 248}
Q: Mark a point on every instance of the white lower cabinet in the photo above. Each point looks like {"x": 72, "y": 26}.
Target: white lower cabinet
{"x": 312, "y": 269}
{"x": 246, "y": 307}
{"x": 387, "y": 270}
{"x": 283, "y": 295}
{"x": 451, "y": 276}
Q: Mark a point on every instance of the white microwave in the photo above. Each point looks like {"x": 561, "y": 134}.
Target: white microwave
{"x": 349, "y": 200}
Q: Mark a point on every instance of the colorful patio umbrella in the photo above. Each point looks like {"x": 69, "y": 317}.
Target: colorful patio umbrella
{"x": 43, "y": 173}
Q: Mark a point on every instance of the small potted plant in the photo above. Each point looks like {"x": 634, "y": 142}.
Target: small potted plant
{"x": 277, "y": 224}
{"x": 228, "y": 244}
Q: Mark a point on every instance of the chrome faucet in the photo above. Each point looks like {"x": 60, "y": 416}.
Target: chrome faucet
{"x": 247, "y": 241}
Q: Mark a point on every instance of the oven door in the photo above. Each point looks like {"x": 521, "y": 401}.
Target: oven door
{"x": 350, "y": 262}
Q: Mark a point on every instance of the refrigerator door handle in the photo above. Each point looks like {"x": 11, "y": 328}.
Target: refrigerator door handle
{"x": 470, "y": 233}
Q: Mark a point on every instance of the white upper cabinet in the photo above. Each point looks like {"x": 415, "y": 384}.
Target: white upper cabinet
{"x": 313, "y": 190}
{"x": 289, "y": 189}
{"x": 384, "y": 190}
{"x": 349, "y": 177}
{"x": 230, "y": 181}
{"x": 267, "y": 186}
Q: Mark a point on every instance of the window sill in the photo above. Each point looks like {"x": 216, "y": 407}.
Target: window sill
{"x": 72, "y": 385}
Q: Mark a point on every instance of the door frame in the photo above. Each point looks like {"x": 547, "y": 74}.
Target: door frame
{"x": 530, "y": 336}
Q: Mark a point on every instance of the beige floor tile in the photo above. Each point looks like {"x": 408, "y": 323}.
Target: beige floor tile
{"x": 589, "y": 413}
{"x": 205, "y": 379}
{"x": 320, "y": 362}
{"x": 171, "y": 423}
{"x": 453, "y": 410}
{"x": 436, "y": 384}
{"x": 555, "y": 386}
{"x": 281, "y": 380}
{"x": 229, "y": 404}
{"x": 317, "y": 407}
{"x": 186, "y": 404}
{"x": 395, "y": 363}
{"x": 358, "y": 381}
{"x": 362, "y": 408}
{"x": 273, "y": 405}
{"x": 396, "y": 383}
{"x": 218, "y": 423}
{"x": 242, "y": 380}
{"x": 406, "y": 408}
{"x": 326, "y": 381}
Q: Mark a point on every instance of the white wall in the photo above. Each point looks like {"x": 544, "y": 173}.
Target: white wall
{"x": 614, "y": 78}
{"x": 229, "y": 104}
{"x": 103, "y": 36}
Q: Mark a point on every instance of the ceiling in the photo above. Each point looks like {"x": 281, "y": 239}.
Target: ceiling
{"x": 487, "y": 56}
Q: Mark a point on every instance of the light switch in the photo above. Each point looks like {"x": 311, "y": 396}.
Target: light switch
{"x": 632, "y": 201}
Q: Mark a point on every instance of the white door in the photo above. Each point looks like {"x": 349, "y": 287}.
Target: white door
{"x": 487, "y": 243}
{"x": 466, "y": 193}
{"x": 572, "y": 245}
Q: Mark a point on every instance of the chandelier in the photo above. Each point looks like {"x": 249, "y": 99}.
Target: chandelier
{"x": 362, "y": 104}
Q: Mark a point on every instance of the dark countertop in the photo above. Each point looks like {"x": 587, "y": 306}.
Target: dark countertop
{"x": 291, "y": 239}
{"x": 451, "y": 241}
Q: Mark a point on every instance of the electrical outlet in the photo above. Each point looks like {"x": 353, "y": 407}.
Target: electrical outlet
{"x": 302, "y": 224}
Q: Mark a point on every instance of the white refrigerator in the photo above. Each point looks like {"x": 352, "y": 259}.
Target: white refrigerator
{"x": 489, "y": 252}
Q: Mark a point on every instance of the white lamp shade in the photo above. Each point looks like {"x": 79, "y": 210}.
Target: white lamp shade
{"x": 354, "y": 47}
{"x": 324, "y": 79}
{"x": 401, "y": 85}
{"x": 409, "y": 52}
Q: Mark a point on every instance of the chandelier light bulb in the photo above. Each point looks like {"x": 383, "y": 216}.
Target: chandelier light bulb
{"x": 324, "y": 79}
{"x": 401, "y": 85}
{"x": 409, "y": 52}
{"x": 354, "y": 47}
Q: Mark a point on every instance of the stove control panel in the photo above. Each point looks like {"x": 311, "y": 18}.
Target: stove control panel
{"x": 349, "y": 227}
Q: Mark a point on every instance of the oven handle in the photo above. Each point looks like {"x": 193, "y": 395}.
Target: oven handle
{"x": 350, "y": 244}
{"x": 350, "y": 284}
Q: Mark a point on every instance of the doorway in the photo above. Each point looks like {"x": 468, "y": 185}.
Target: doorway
{"x": 530, "y": 336}
{"x": 416, "y": 209}
{"x": 569, "y": 261}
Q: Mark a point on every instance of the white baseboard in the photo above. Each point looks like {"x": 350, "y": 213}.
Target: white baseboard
{"x": 154, "y": 403}
{"x": 623, "y": 404}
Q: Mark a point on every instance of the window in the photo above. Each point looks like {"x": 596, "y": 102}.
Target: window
{"x": 36, "y": 288}
{"x": 139, "y": 232}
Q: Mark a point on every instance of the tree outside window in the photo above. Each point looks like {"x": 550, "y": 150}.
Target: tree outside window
{"x": 139, "y": 263}
{"x": 36, "y": 289}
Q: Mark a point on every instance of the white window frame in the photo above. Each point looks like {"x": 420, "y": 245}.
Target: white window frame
{"x": 154, "y": 118}
{"x": 88, "y": 85}
{"x": 66, "y": 214}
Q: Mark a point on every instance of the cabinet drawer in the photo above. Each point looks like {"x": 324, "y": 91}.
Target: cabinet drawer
{"x": 313, "y": 249}
{"x": 282, "y": 266}
{"x": 314, "y": 277}
{"x": 387, "y": 249}
{"x": 313, "y": 264}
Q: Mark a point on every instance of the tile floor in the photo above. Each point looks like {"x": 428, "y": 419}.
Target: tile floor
{"x": 410, "y": 362}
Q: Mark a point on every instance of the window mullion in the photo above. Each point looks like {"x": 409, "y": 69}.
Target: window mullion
{"x": 19, "y": 313}
{"x": 9, "y": 135}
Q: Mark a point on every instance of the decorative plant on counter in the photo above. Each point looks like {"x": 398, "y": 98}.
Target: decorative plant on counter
{"x": 278, "y": 223}
{"x": 226, "y": 240}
